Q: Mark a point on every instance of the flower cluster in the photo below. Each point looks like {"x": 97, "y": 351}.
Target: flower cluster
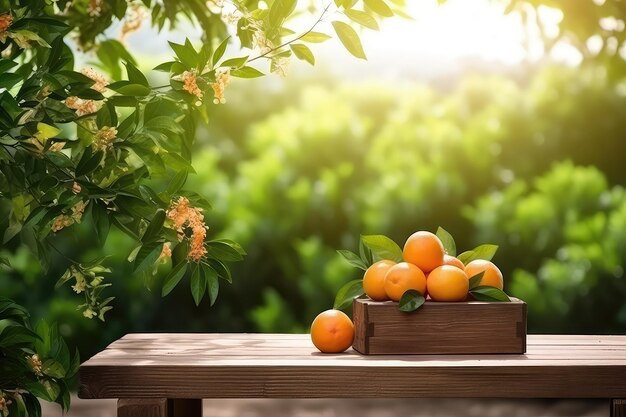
{"x": 166, "y": 252}
{"x": 280, "y": 66}
{"x": 64, "y": 220}
{"x": 101, "y": 82}
{"x": 94, "y": 8}
{"x": 215, "y": 6}
{"x": 222, "y": 79}
{"x": 5, "y": 402}
{"x": 190, "y": 83}
{"x": 104, "y": 138}
{"x": 35, "y": 364}
{"x": 89, "y": 313}
{"x": 82, "y": 106}
{"x": 132, "y": 21}
{"x": 260, "y": 42}
{"x": 6, "y": 20}
{"x": 183, "y": 215}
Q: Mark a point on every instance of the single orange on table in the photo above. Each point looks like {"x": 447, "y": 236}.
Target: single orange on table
{"x": 447, "y": 283}
{"x": 452, "y": 260}
{"x": 332, "y": 331}
{"x": 374, "y": 280}
{"x": 425, "y": 250}
{"x": 402, "y": 277}
{"x": 492, "y": 277}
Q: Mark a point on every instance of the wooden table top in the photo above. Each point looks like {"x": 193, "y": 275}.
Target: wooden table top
{"x": 288, "y": 366}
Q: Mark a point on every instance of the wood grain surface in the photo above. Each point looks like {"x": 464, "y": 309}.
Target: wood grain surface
{"x": 439, "y": 328}
{"x": 288, "y": 366}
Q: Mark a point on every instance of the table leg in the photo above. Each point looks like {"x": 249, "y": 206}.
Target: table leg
{"x": 184, "y": 408}
{"x": 159, "y": 407}
{"x": 154, "y": 407}
{"x": 618, "y": 408}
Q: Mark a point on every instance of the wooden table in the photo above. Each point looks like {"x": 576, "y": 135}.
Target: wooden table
{"x": 166, "y": 375}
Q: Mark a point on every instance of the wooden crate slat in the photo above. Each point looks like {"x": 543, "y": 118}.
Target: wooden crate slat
{"x": 467, "y": 327}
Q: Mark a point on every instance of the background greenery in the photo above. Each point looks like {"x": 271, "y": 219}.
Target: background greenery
{"x": 534, "y": 166}
{"x": 533, "y": 163}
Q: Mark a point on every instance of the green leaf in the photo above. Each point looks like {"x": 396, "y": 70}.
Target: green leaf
{"x": 45, "y": 131}
{"x": 279, "y": 11}
{"x": 353, "y": 259}
{"x": 349, "y": 38}
{"x": 303, "y": 52}
{"x": 89, "y": 162}
{"x": 6, "y": 64}
{"x": 347, "y": 293}
{"x": 235, "y": 62}
{"x": 198, "y": 285}
{"x": 186, "y": 54}
{"x": 130, "y": 89}
{"x": 135, "y": 76}
{"x": 448, "y": 241}
{"x": 411, "y": 300}
{"x": 383, "y": 247}
{"x": 177, "y": 182}
{"x": 487, "y": 293}
{"x": 475, "y": 280}
{"x": 315, "y": 37}
{"x": 246, "y": 72}
{"x": 101, "y": 222}
{"x": 219, "y": 52}
{"x": 147, "y": 255}
{"x": 485, "y": 252}
{"x": 17, "y": 335}
{"x": 110, "y": 52}
{"x": 365, "y": 253}
{"x": 213, "y": 284}
{"x": 224, "y": 251}
{"x": 362, "y": 18}
{"x": 53, "y": 368}
{"x": 154, "y": 228}
{"x": 42, "y": 347}
{"x": 9, "y": 79}
{"x": 173, "y": 278}
{"x": 379, "y": 7}
{"x": 222, "y": 269}
{"x": 35, "y": 216}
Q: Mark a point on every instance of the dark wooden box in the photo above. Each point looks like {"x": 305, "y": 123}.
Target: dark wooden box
{"x": 439, "y": 328}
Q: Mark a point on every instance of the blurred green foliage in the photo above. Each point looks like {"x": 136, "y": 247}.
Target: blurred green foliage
{"x": 373, "y": 159}
{"x": 534, "y": 165}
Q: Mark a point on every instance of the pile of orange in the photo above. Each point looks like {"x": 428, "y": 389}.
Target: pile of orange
{"x": 426, "y": 268}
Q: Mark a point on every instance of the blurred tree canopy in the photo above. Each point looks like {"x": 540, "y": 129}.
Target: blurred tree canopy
{"x": 596, "y": 28}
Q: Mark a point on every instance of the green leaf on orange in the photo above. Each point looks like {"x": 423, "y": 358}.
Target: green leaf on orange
{"x": 353, "y": 259}
{"x": 485, "y": 252}
{"x": 474, "y": 281}
{"x": 448, "y": 241}
{"x": 411, "y": 300}
{"x": 487, "y": 293}
{"x": 347, "y": 293}
{"x": 383, "y": 247}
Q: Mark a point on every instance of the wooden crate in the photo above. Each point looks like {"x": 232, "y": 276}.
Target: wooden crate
{"x": 440, "y": 328}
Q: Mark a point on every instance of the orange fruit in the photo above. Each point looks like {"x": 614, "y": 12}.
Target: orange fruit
{"x": 425, "y": 250}
{"x": 374, "y": 280}
{"x": 402, "y": 277}
{"x": 492, "y": 276}
{"x": 447, "y": 283}
{"x": 451, "y": 260}
{"x": 332, "y": 331}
